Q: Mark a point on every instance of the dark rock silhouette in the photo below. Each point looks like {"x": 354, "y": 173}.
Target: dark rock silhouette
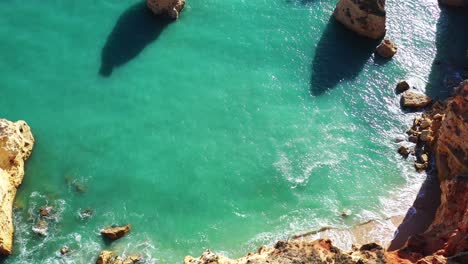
{"x": 136, "y": 28}
{"x": 450, "y": 65}
{"x": 340, "y": 55}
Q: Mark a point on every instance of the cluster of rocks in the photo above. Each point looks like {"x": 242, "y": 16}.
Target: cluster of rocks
{"x": 284, "y": 252}
{"x": 42, "y": 224}
{"x": 411, "y": 99}
{"x": 107, "y": 257}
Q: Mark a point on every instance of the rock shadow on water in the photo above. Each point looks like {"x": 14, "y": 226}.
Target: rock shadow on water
{"x": 340, "y": 55}
{"x": 450, "y": 65}
{"x": 135, "y": 29}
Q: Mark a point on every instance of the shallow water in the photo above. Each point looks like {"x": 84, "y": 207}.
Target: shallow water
{"x": 241, "y": 123}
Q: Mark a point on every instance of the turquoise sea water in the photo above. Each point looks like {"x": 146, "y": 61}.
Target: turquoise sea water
{"x": 242, "y": 123}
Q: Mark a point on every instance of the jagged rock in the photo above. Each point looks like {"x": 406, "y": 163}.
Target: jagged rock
{"x": 171, "y": 8}
{"x": 424, "y": 158}
{"x": 365, "y": 17}
{"x": 387, "y": 49}
{"x": 402, "y": 86}
{"x": 404, "y": 151}
{"x": 420, "y": 166}
{"x": 413, "y": 100}
{"x": 425, "y": 123}
{"x": 104, "y": 257}
{"x": 45, "y": 211}
{"x": 319, "y": 251}
{"x": 114, "y": 233}
{"x": 16, "y": 143}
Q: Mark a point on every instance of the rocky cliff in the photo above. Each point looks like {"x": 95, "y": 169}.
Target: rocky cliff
{"x": 16, "y": 143}
{"x": 365, "y": 17}
{"x": 447, "y": 237}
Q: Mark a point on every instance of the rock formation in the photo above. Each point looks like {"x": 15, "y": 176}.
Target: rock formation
{"x": 414, "y": 100}
{"x": 365, "y": 17}
{"x": 171, "y": 8}
{"x": 402, "y": 86}
{"x": 16, "y": 143}
{"x": 107, "y": 257}
{"x": 447, "y": 237}
{"x": 115, "y": 232}
{"x": 319, "y": 251}
{"x": 386, "y": 49}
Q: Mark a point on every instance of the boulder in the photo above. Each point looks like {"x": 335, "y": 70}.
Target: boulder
{"x": 170, "y": 8}
{"x": 64, "y": 250}
{"x": 365, "y": 17}
{"x": 402, "y": 86}
{"x": 387, "y": 49}
{"x": 414, "y": 100}
{"x": 104, "y": 257}
{"x": 16, "y": 143}
{"x": 114, "y": 233}
{"x": 404, "y": 151}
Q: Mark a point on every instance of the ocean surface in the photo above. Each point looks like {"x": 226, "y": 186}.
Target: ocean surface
{"x": 239, "y": 124}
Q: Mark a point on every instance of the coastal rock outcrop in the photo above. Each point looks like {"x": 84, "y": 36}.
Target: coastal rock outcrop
{"x": 446, "y": 239}
{"x": 318, "y": 251}
{"x": 16, "y": 143}
{"x": 115, "y": 232}
{"x": 365, "y": 17}
{"x": 171, "y": 8}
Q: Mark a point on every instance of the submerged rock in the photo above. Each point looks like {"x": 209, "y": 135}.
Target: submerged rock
{"x": 16, "y": 143}
{"x": 41, "y": 227}
{"x": 414, "y": 100}
{"x": 386, "y": 49}
{"x": 114, "y": 233}
{"x": 171, "y": 8}
{"x": 45, "y": 211}
{"x": 64, "y": 250}
{"x": 365, "y": 17}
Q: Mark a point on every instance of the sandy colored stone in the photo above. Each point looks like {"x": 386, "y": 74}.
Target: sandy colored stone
{"x": 414, "y": 100}
{"x": 318, "y": 251}
{"x": 114, "y": 233}
{"x": 16, "y": 143}
{"x": 365, "y": 17}
{"x": 171, "y": 8}
{"x": 104, "y": 257}
{"x": 387, "y": 49}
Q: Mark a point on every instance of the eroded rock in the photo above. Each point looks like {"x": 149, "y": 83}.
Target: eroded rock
{"x": 104, "y": 257}
{"x": 16, "y": 143}
{"x": 414, "y": 100}
{"x": 365, "y": 17}
{"x": 115, "y": 232}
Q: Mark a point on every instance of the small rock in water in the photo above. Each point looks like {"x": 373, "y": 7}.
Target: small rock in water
{"x": 346, "y": 213}
{"x": 399, "y": 139}
{"x": 45, "y": 211}
{"x": 402, "y": 86}
{"x": 41, "y": 227}
{"x": 415, "y": 101}
{"x": 114, "y": 233}
{"x": 64, "y": 250}
{"x": 420, "y": 166}
{"x": 404, "y": 151}
{"x": 387, "y": 48}
{"x": 86, "y": 213}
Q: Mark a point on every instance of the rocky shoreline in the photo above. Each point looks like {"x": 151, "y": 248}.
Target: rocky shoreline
{"x": 439, "y": 135}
